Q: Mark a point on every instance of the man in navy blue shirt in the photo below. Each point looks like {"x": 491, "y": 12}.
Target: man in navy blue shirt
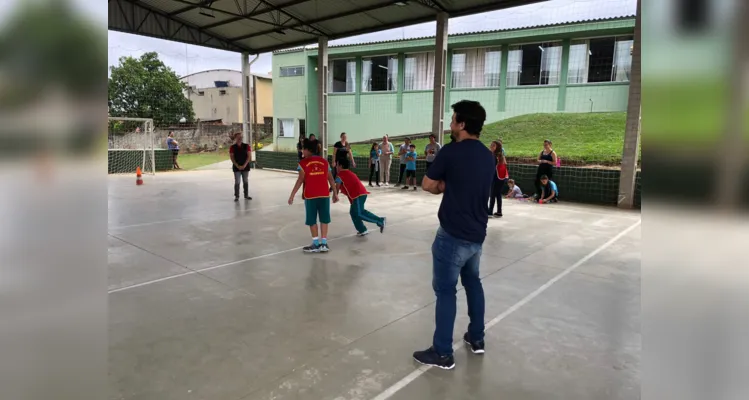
{"x": 463, "y": 171}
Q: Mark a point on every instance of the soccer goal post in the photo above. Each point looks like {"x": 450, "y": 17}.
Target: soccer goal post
{"x": 131, "y": 145}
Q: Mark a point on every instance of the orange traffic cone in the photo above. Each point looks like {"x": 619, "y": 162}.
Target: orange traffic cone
{"x": 138, "y": 177}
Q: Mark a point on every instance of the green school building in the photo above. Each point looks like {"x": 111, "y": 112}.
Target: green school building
{"x": 386, "y": 87}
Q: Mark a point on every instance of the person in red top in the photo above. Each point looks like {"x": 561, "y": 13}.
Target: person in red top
{"x": 350, "y": 185}
{"x": 500, "y": 178}
{"x": 315, "y": 175}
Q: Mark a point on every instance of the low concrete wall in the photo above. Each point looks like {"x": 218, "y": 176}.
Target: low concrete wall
{"x": 585, "y": 185}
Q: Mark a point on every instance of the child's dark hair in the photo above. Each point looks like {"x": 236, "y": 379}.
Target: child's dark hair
{"x": 310, "y": 145}
{"x": 413, "y": 146}
{"x": 511, "y": 181}
{"x": 433, "y": 136}
{"x": 344, "y": 163}
{"x": 544, "y": 177}
{"x": 472, "y": 114}
{"x": 374, "y": 144}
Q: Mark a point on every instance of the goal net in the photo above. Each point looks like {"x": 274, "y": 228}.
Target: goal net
{"x": 131, "y": 145}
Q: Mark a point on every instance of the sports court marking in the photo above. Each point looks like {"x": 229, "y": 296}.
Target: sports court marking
{"x": 186, "y": 218}
{"x": 395, "y": 388}
{"x": 198, "y": 271}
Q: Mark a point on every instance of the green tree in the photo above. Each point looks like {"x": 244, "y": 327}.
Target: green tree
{"x": 146, "y": 88}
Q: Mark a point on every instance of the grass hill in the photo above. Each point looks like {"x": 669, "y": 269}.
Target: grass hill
{"x": 579, "y": 139}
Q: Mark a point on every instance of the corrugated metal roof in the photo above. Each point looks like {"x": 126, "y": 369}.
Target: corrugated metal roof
{"x": 258, "y": 26}
{"x": 577, "y": 22}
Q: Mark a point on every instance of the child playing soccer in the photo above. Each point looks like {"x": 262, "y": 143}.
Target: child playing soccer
{"x": 315, "y": 175}
{"x": 350, "y": 185}
{"x": 411, "y": 166}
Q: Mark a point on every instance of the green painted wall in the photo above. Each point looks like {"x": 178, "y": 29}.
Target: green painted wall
{"x": 289, "y": 96}
{"x": 364, "y": 116}
{"x": 606, "y": 97}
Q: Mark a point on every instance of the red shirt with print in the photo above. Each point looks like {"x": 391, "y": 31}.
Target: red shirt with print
{"x": 351, "y": 186}
{"x": 316, "y": 171}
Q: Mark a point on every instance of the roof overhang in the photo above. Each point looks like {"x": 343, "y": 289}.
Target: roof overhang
{"x": 259, "y": 26}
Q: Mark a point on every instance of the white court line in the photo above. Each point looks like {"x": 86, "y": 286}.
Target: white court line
{"x": 389, "y": 392}
{"x": 187, "y": 218}
{"x": 198, "y": 271}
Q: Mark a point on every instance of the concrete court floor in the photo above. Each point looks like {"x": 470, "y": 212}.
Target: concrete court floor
{"x": 211, "y": 299}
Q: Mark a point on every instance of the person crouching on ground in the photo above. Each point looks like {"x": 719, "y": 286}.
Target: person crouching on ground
{"x": 240, "y": 154}
{"x": 549, "y": 192}
{"x": 317, "y": 178}
{"x": 349, "y": 184}
{"x": 514, "y": 192}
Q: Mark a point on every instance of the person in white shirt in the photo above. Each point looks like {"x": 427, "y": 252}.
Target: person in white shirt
{"x": 514, "y": 192}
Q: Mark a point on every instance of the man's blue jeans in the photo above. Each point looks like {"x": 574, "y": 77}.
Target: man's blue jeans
{"x": 451, "y": 258}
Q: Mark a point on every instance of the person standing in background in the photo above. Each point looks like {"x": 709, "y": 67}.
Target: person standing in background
{"x": 431, "y": 150}
{"x": 342, "y": 151}
{"x": 374, "y": 164}
{"x": 173, "y": 146}
{"x": 500, "y": 178}
{"x": 299, "y": 146}
{"x": 386, "y": 159}
{"x": 547, "y": 159}
{"x": 404, "y": 149}
{"x": 240, "y": 155}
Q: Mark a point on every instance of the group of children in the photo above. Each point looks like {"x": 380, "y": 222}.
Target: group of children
{"x": 316, "y": 180}
{"x": 374, "y": 165}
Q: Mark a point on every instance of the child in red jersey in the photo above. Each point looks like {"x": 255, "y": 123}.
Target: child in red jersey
{"x": 315, "y": 175}
{"x": 350, "y": 185}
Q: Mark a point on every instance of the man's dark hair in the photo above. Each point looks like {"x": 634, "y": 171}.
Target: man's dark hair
{"x": 543, "y": 177}
{"x": 472, "y": 114}
{"x": 310, "y": 145}
{"x": 344, "y": 163}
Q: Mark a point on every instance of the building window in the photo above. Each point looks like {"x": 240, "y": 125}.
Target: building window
{"x": 600, "y": 60}
{"x": 534, "y": 64}
{"x": 476, "y": 68}
{"x": 303, "y": 128}
{"x": 419, "y": 71}
{"x": 292, "y": 71}
{"x": 286, "y": 127}
{"x": 201, "y": 93}
{"x": 342, "y": 76}
{"x": 379, "y": 74}
{"x": 221, "y": 92}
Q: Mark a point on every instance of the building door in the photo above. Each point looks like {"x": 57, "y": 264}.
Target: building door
{"x": 303, "y": 128}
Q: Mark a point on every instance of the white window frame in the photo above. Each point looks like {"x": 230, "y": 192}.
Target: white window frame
{"x": 366, "y": 84}
{"x": 281, "y": 133}
{"x": 352, "y": 86}
{"x": 430, "y": 80}
{"x": 587, "y": 59}
{"x": 289, "y": 67}
{"x": 519, "y": 71}
{"x": 479, "y": 78}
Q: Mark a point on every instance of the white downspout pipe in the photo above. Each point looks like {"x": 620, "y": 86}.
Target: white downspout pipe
{"x": 246, "y": 101}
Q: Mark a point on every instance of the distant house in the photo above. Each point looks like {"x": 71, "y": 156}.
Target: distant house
{"x": 217, "y": 95}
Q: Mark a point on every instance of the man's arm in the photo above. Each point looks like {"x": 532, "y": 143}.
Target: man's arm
{"x": 249, "y": 157}
{"x": 297, "y": 185}
{"x": 434, "y": 180}
{"x": 231, "y": 156}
